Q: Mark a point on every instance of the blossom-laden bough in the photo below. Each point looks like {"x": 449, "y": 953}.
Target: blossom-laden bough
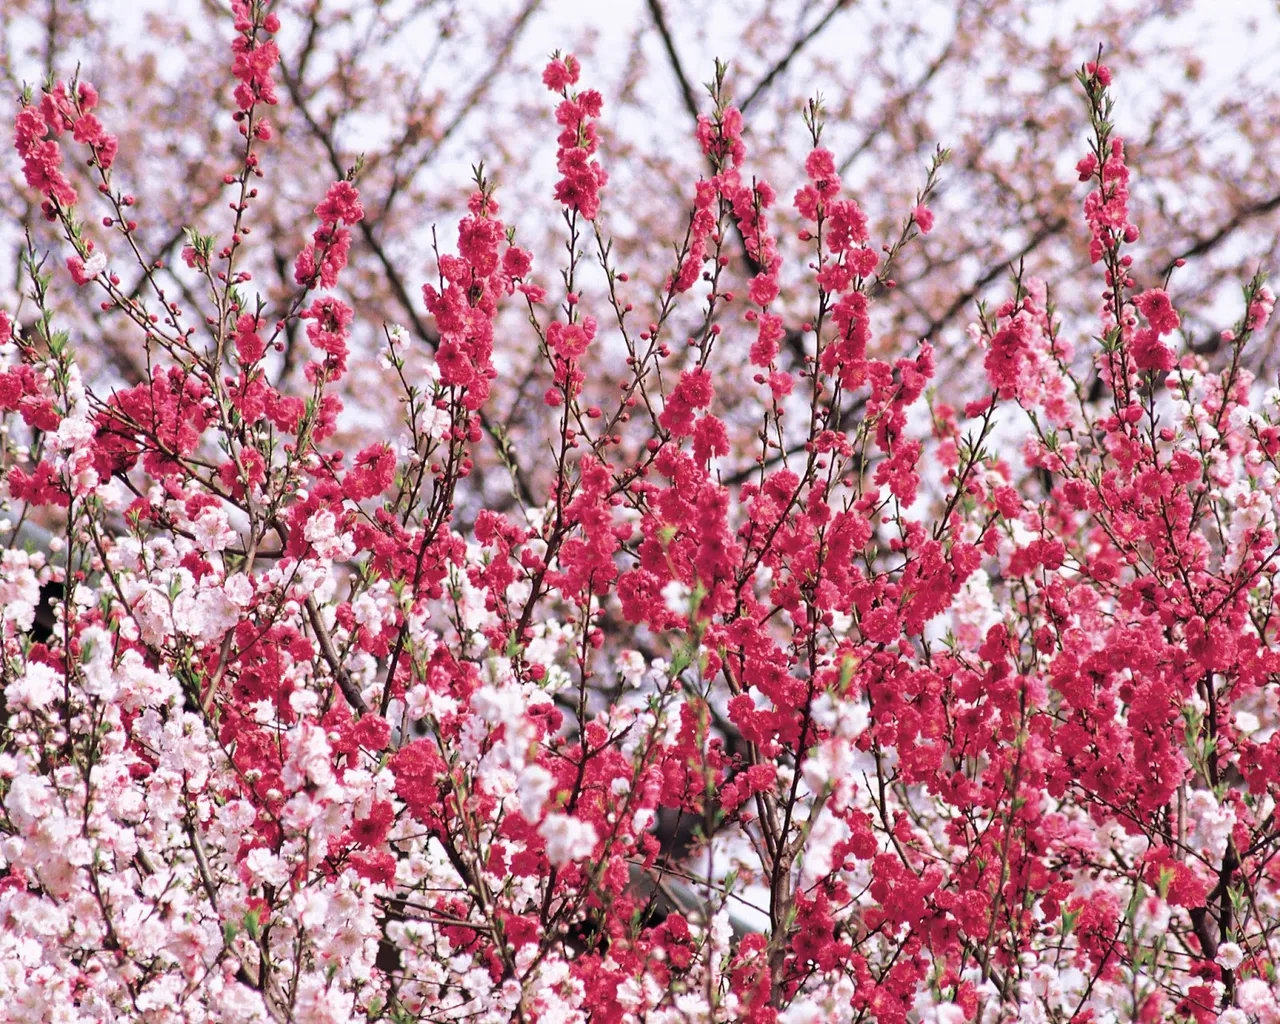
{"x": 819, "y": 716}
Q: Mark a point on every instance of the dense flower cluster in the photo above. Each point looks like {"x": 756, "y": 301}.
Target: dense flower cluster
{"x": 826, "y": 716}
{"x": 582, "y": 178}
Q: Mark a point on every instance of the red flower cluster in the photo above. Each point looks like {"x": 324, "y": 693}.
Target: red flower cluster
{"x": 826, "y": 703}
{"x": 581, "y": 177}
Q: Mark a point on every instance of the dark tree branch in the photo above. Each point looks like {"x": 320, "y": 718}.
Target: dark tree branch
{"x": 1055, "y": 226}
{"x": 896, "y": 106}
{"x": 1210, "y": 242}
{"x": 686, "y": 89}
{"x": 800, "y": 43}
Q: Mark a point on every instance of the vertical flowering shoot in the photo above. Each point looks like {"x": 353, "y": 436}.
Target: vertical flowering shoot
{"x": 36, "y": 133}
{"x": 582, "y": 178}
{"x": 322, "y": 259}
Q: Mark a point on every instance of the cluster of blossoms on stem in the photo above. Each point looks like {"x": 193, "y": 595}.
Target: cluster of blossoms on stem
{"x": 581, "y": 177}
{"x": 37, "y": 130}
{"x": 837, "y": 711}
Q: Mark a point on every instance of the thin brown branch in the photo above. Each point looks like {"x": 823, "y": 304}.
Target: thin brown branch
{"x": 800, "y": 43}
